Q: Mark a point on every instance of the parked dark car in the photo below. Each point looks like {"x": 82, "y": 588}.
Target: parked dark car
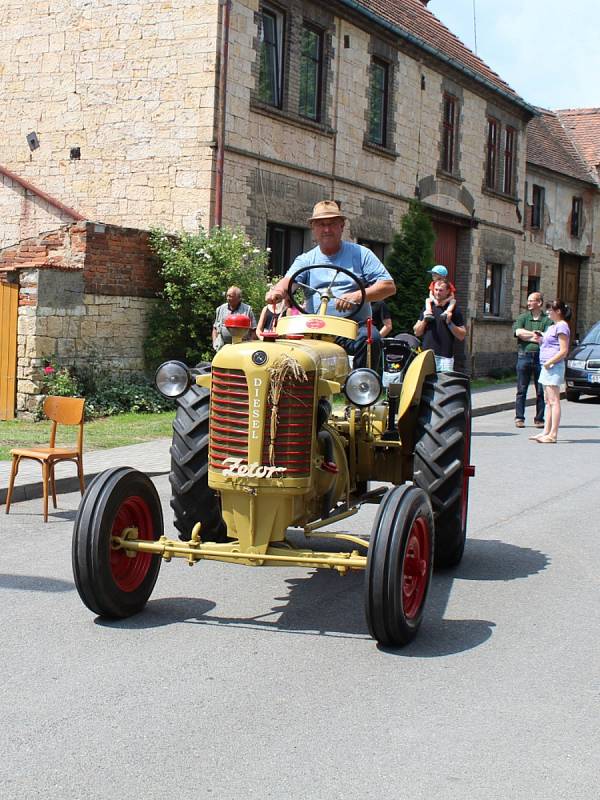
{"x": 583, "y": 366}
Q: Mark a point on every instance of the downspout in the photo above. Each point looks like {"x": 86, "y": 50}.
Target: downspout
{"x": 224, "y": 58}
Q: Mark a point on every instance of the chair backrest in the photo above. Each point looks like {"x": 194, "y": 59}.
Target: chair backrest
{"x": 65, "y": 411}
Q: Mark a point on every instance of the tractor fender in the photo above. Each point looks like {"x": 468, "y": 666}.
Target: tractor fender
{"x": 412, "y": 385}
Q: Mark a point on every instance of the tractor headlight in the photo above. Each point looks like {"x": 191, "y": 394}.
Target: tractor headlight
{"x": 363, "y": 387}
{"x": 172, "y": 378}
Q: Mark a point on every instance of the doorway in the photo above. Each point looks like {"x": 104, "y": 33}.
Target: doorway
{"x": 9, "y": 302}
{"x": 568, "y": 286}
{"x": 445, "y": 246}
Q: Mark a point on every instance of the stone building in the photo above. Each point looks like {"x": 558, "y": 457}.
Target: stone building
{"x": 247, "y": 112}
{"x": 562, "y": 205}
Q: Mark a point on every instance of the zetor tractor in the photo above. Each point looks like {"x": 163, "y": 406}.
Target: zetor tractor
{"x": 261, "y": 444}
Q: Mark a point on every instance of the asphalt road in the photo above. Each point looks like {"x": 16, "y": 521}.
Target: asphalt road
{"x": 239, "y": 682}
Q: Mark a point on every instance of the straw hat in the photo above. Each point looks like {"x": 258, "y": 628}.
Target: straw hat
{"x": 326, "y": 209}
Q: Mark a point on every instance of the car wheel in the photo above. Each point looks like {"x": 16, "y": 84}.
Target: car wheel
{"x": 572, "y": 397}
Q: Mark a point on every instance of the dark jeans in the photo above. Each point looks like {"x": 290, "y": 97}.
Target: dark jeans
{"x": 528, "y": 367}
{"x": 358, "y": 348}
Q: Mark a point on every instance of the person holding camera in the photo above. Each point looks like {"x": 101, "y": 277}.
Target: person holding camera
{"x": 554, "y": 346}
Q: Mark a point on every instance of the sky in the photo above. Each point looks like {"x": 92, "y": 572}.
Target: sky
{"x": 547, "y": 50}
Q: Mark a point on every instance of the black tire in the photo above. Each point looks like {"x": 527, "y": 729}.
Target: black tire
{"x": 192, "y": 499}
{"x": 572, "y": 397}
{"x": 442, "y": 454}
{"x": 399, "y": 565}
{"x": 110, "y": 582}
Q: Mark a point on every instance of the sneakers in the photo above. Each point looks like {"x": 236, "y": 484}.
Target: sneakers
{"x": 519, "y": 423}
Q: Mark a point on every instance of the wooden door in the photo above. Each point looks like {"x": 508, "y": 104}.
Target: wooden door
{"x": 568, "y": 286}
{"x": 9, "y": 301}
{"x": 445, "y": 247}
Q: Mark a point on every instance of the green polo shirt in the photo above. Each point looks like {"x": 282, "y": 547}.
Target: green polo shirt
{"x": 527, "y": 321}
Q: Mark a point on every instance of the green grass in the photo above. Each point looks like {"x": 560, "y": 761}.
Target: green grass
{"x": 100, "y": 434}
{"x": 483, "y": 383}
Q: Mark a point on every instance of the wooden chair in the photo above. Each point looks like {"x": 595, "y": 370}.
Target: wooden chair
{"x": 62, "y": 411}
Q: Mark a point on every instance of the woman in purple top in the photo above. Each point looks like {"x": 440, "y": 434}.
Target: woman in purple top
{"x": 554, "y": 346}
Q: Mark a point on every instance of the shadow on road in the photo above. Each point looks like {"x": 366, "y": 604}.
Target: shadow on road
{"x": 35, "y": 583}
{"x": 325, "y": 604}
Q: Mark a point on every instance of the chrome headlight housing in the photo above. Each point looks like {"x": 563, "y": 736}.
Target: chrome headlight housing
{"x": 576, "y": 363}
{"x": 172, "y": 379}
{"x": 363, "y": 387}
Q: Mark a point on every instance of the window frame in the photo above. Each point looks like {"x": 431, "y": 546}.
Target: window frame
{"x": 492, "y": 292}
{"x": 377, "y": 247}
{"x": 576, "y": 216}
{"x": 276, "y": 82}
{"x": 508, "y": 179}
{"x": 537, "y": 208}
{"x": 491, "y": 163}
{"x": 288, "y": 231}
{"x": 449, "y": 130}
{"x": 384, "y": 94}
{"x": 307, "y": 26}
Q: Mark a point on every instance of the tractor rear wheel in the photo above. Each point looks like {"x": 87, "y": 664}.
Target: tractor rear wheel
{"x": 442, "y": 454}
{"x": 399, "y": 565}
{"x": 113, "y": 582}
{"x": 192, "y": 499}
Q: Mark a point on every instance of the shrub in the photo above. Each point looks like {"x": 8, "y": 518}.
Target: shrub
{"x": 196, "y": 270}
{"x": 410, "y": 257}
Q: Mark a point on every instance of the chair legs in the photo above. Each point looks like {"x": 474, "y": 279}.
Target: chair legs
{"x": 80, "y": 474}
{"x": 53, "y": 484}
{"x": 45, "y": 476}
{"x": 13, "y": 474}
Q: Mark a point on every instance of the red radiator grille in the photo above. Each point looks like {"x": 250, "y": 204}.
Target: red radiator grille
{"x": 293, "y": 440}
{"x": 228, "y": 416}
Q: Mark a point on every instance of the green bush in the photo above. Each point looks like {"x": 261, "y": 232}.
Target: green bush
{"x": 410, "y": 257}
{"x": 104, "y": 395}
{"x": 196, "y": 270}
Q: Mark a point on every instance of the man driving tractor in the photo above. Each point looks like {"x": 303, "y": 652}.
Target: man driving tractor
{"x": 327, "y": 224}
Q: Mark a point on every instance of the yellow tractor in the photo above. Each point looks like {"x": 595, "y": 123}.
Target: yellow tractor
{"x": 262, "y": 444}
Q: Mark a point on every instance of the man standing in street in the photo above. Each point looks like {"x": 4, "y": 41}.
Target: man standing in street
{"x": 327, "y": 224}
{"x": 528, "y": 358}
{"x": 436, "y": 332}
{"x": 234, "y": 305}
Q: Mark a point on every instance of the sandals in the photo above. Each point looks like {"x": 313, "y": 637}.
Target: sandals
{"x": 546, "y": 439}
{"x": 536, "y": 437}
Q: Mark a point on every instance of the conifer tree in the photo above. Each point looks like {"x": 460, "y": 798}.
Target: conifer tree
{"x": 410, "y": 257}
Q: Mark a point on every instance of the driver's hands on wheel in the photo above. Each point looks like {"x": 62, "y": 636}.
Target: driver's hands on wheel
{"x": 348, "y": 301}
{"x": 274, "y": 296}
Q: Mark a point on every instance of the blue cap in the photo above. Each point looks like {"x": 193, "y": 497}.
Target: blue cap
{"x": 440, "y": 270}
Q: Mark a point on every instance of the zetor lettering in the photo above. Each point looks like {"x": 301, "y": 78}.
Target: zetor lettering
{"x": 253, "y": 470}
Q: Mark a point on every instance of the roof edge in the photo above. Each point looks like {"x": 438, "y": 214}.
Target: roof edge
{"x": 409, "y": 37}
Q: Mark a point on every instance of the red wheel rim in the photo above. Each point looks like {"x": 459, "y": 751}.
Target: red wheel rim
{"x": 415, "y": 568}
{"x": 464, "y": 499}
{"x": 129, "y": 573}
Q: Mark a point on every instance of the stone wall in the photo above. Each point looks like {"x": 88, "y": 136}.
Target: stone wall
{"x": 132, "y": 87}
{"x": 85, "y": 294}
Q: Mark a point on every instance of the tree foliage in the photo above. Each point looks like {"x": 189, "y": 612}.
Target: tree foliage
{"x": 410, "y": 256}
{"x": 197, "y": 269}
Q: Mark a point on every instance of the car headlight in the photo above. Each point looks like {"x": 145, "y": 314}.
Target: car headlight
{"x": 172, "y": 378}
{"x": 363, "y": 387}
{"x": 576, "y": 363}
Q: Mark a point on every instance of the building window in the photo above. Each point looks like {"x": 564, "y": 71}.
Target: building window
{"x": 537, "y": 207}
{"x": 271, "y": 57}
{"x": 493, "y": 290}
{"x": 311, "y": 65}
{"x": 533, "y": 284}
{"x": 509, "y": 160}
{"x": 449, "y": 134}
{"x": 378, "y": 248}
{"x": 491, "y": 166}
{"x": 285, "y": 243}
{"x": 378, "y": 102}
{"x": 576, "y": 216}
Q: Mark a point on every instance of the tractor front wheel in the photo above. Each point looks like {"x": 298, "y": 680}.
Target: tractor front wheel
{"x": 399, "y": 565}
{"x": 113, "y": 582}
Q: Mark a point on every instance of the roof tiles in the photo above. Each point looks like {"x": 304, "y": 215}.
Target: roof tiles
{"x": 549, "y": 145}
{"x": 583, "y": 125}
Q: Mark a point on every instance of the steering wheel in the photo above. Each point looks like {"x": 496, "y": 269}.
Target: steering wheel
{"x": 327, "y": 291}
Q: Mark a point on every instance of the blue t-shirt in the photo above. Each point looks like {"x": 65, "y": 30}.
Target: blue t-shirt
{"x": 354, "y": 257}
